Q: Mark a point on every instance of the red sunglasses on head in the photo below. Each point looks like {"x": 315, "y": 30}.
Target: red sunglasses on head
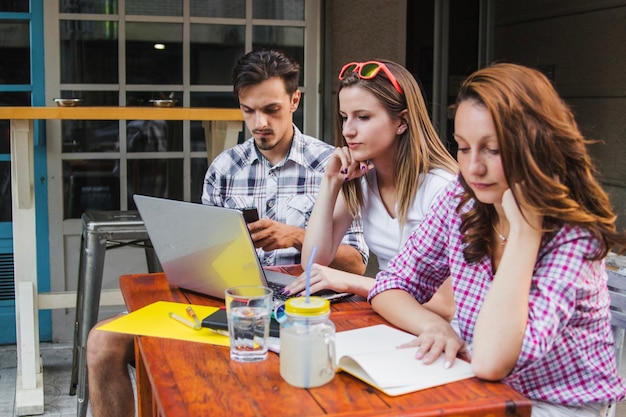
{"x": 368, "y": 70}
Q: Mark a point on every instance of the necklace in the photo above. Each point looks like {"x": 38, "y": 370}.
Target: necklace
{"x": 502, "y": 238}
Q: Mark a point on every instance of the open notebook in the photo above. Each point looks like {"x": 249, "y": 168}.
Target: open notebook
{"x": 371, "y": 354}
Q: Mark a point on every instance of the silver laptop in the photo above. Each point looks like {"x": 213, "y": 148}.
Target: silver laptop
{"x": 207, "y": 249}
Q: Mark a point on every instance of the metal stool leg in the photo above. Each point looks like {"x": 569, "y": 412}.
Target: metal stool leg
{"x": 102, "y": 230}
{"x": 93, "y": 266}
{"x": 79, "y": 318}
{"x": 151, "y": 258}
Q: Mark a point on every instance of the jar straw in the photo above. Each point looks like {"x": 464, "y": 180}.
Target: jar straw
{"x": 307, "y": 287}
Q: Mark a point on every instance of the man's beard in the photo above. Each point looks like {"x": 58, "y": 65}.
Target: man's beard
{"x": 265, "y": 143}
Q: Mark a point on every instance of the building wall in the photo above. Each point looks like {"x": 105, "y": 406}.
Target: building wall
{"x": 582, "y": 43}
{"x": 367, "y": 29}
{"x": 360, "y": 31}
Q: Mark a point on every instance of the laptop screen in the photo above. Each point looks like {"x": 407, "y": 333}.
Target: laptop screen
{"x": 201, "y": 248}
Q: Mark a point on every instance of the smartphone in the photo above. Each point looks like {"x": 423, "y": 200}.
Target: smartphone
{"x": 250, "y": 214}
{"x": 218, "y": 321}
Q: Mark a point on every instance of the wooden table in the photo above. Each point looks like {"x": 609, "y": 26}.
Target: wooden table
{"x": 178, "y": 378}
{"x": 223, "y": 124}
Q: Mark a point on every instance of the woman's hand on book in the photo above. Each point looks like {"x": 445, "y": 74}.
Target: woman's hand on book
{"x": 437, "y": 338}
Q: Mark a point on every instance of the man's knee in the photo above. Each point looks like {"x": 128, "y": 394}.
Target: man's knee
{"x": 108, "y": 348}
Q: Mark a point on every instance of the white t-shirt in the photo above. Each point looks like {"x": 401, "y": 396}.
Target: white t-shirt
{"x": 382, "y": 232}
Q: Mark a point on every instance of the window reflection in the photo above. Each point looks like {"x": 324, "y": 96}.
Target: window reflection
{"x": 5, "y": 136}
{"x": 15, "y": 6}
{"x": 93, "y": 184}
{"x": 219, "y": 100}
{"x": 89, "y": 52}
{"x": 10, "y": 99}
{"x": 93, "y": 98}
{"x": 198, "y": 169}
{"x": 154, "y": 7}
{"x": 289, "y": 39}
{"x": 147, "y": 65}
{"x": 5, "y": 192}
{"x": 214, "y": 50}
{"x": 218, "y": 8}
{"x": 152, "y": 158}
{"x": 15, "y": 52}
{"x": 90, "y": 6}
{"x": 91, "y": 135}
{"x": 154, "y": 136}
{"x": 144, "y": 98}
{"x": 154, "y": 177}
{"x": 278, "y": 9}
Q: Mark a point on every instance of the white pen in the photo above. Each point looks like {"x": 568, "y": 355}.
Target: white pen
{"x": 184, "y": 321}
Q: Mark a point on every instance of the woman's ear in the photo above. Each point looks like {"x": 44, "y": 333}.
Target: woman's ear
{"x": 403, "y": 123}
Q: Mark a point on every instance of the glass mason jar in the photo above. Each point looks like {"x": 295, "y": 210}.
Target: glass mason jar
{"x": 307, "y": 343}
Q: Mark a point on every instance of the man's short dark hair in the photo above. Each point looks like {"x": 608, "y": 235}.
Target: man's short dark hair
{"x": 263, "y": 64}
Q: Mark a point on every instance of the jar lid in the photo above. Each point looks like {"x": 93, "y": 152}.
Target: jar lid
{"x": 298, "y": 306}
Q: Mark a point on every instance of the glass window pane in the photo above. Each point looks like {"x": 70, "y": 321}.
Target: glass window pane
{"x": 5, "y": 192}
{"x": 10, "y": 99}
{"x": 15, "y": 52}
{"x": 214, "y": 51}
{"x": 198, "y": 170}
{"x": 90, "y": 184}
{"x": 278, "y": 9}
{"x": 197, "y": 136}
{"x": 154, "y": 53}
{"x": 16, "y": 6}
{"x": 216, "y": 100}
{"x": 90, "y": 136}
{"x": 89, "y": 51}
{"x": 154, "y": 7}
{"x": 19, "y": 98}
{"x": 218, "y": 8}
{"x": 90, "y": 6}
{"x": 155, "y": 177}
{"x": 93, "y": 98}
{"x": 154, "y": 136}
{"x": 289, "y": 39}
{"x": 144, "y": 98}
{"x": 5, "y": 136}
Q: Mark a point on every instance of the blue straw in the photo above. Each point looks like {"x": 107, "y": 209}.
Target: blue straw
{"x": 308, "y": 274}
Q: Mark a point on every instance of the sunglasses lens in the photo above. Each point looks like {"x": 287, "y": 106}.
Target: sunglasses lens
{"x": 369, "y": 70}
{"x": 348, "y": 69}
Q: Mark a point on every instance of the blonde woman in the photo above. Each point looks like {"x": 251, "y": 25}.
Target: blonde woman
{"x": 388, "y": 167}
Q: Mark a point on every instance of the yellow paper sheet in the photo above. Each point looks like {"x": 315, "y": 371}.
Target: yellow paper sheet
{"x": 154, "y": 320}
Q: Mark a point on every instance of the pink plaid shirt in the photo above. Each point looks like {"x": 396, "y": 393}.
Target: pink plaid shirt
{"x": 568, "y": 354}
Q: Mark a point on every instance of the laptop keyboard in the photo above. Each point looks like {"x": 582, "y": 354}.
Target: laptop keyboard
{"x": 278, "y": 288}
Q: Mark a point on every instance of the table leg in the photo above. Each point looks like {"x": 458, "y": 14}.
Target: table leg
{"x": 144, "y": 390}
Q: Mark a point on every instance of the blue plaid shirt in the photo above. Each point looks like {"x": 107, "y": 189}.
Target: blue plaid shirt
{"x": 241, "y": 177}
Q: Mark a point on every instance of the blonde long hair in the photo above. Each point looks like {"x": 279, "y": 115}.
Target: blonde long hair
{"x": 419, "y": 148}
